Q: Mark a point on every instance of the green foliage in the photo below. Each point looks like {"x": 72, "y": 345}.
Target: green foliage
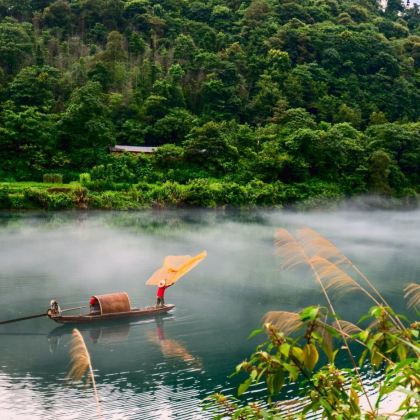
{"x": 15, "y": 45}
{"x": 52, "y": 178}
{"x": 281, "y": 93}
{"x": 324, "y": 387}
{"x": 35, "y": 86}
{"x": 382, "y": 341}
{"x": 86, "y": 130}
{"x": 84, "y": 179}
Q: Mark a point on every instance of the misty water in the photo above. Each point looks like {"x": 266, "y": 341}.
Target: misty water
{"x": 162, "y": 368}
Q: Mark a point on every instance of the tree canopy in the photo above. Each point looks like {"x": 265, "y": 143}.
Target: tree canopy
{"x": 251, "y": 90}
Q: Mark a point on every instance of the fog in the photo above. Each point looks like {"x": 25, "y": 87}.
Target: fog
{"x": 69, "y": 256}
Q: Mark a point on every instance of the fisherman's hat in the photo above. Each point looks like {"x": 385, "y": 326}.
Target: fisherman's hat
{"x": 162, "y": 283}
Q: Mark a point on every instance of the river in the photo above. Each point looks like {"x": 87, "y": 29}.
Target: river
{"x": 162, "y": 368}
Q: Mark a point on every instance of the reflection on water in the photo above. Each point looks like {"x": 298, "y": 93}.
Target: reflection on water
{"x": 163, "y": 367}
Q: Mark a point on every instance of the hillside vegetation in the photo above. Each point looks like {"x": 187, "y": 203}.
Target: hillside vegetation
{"x": 285, "y": 99}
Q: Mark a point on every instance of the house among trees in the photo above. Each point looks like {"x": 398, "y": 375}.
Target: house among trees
{"x": 120, "y": 148}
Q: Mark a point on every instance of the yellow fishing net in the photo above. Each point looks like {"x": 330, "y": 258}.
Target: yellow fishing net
{"x": 174, "y": 267}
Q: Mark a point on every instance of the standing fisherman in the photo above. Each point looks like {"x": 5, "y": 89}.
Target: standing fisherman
{"x": 160, "y": 294}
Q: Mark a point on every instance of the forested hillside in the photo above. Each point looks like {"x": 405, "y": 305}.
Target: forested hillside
{"x": 285, "y": 97}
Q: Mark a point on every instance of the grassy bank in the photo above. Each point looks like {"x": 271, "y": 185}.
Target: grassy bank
{"x": 200, "y": 192}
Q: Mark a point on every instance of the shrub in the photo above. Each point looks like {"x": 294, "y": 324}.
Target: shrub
{"x": 85, "y": 179}
{"x": 169, "y": 193}
{"x": 53, "y": 178}
{"x": 42, "y": 199}
{"x": 112, "y": 200}
{"x": 199, "y": 193}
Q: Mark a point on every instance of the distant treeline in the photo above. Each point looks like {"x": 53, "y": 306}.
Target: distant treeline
{"x": 291, "y": 92}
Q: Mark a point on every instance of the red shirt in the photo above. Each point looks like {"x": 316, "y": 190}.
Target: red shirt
{"x": 161, "y": 291}
{"x": 93, "y": 301}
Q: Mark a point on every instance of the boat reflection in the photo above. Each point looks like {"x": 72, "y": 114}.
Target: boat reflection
{"x": 172, "y": 348}
{"x": 106, "y": 332}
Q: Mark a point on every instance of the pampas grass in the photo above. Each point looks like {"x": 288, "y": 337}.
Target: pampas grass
{"x": 346, "y": 326}
{"x": 286, "y": 322}
{"x": 412, "y": 294}
{"x": 328, "y": 263}
{"x": 289, "y": 249}
{"x": 317, "y": 245}
{"x": 333, "y": 278}
{"x": 81, "y": 363}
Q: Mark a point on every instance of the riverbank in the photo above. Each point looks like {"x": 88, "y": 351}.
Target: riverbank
{"x": 198, "y": 193}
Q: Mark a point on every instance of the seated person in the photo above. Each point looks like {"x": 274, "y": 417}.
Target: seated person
{"x": 94, "y": 306}
{"x": 54, "y": 309}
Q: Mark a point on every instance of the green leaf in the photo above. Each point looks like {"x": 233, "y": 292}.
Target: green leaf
{"x": 310, "y": 356}
{"x": 284, "y": 349}
{"x": 309, "y": 314}
{"x": 255, "y": 332}
{"x": 363, "y": 357}
{"x": 364, "y": 318}
{"x": 376, "y": 311}
{"x": 402, "y": 351}
{"x": 261, "y": 374}
{"x": 415, "y": 333}
{"x": 298, "y": 353}
{"x": 243, "y": 387}
{"x": 278, "y": 381}
{"x": 293, "y": 371}
{"x": 364, "y": 335}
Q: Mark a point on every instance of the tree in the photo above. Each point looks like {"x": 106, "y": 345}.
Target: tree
{"x": 402, "y": 143}
{"x": 394, "y": 6}
{"x": 209, "y": 146}
{"x": 86, "y": 130}
{"x": 172, "y": 128}
{"x": 28, "y": 140}
{"x": 379, "y": 172}
{"x": 58, "y": 15}
{"x": 35, "y": 86}
{"x": 115, "y": 48}
{"x": 15, "y": 45}
{"x": 136, "y": 45}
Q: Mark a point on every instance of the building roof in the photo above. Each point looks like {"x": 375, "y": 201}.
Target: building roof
{"x": 133, "y": 149}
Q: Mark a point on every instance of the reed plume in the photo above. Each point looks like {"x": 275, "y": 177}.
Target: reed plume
{"x": 315, "y": 244}
{"x": 333, "y": 277}
{"x": 346, "y": 326}
{"x": 289, "y": 249}
{"x": 286, "y": 246}
{"x": 283, "y": 321}
{"x": 412, "y": 293}
{"x": 81, "y": 363}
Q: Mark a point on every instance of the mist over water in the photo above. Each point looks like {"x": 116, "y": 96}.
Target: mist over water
{"x": 162, "y": 368}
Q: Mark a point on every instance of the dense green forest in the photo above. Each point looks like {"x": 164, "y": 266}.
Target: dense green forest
{"x": 260, "y": 101}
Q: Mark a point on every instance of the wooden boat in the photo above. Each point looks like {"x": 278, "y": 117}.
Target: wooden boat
{"x": 111, "y": 306}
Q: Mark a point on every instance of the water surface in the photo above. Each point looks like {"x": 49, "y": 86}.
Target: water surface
{"x": 162, "y": 368}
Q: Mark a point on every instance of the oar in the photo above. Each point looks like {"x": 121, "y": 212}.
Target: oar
{"x": 38, "y": 315}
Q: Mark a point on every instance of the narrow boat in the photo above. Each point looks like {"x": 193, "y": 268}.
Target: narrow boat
{"x": 110, "y": 306}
